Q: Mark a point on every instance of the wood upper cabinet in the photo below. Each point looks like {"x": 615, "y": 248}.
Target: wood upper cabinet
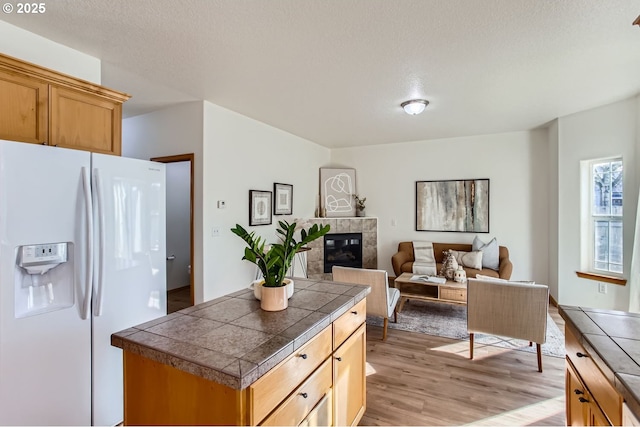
{"x": 42, "y": 106}
{"x": 84, "y": 121}
{"x": 24, "y": 108}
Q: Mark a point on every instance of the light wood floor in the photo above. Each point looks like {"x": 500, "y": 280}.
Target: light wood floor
{"x": 418, "y": 379}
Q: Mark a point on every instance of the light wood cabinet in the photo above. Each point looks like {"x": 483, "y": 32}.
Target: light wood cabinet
{"x": 582, "y": 409}
{"x": 321, "y": 415}
{"x": 591, "y": 399}
{"x": 303, "y": 400}
{"x": 273, "y": 387}
{"x": 24, "y": 109}
{"x": 349, "y": 388}
{"x": 321, "y": 383}
{"x": 84, "y": 121}
{"x": 43, "y": 106}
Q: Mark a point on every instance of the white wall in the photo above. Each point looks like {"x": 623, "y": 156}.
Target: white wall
{"x": 552, "y": 136}
{"x": 241, "y": 154}
{"x": 516, "y": 164}
{"x": 178, "y": 223}
{"x": 173, "y": 130}
{"x": 30, "y": 47}
{"x": 601, "y": 132}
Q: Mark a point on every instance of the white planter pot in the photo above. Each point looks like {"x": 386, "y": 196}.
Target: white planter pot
{"x": 274, "y": 299}
{"x": 256, "y": 285}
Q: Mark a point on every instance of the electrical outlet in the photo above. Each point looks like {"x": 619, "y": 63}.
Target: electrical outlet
{"x": 215, "y": 232}
{"x": 602, "y": 288}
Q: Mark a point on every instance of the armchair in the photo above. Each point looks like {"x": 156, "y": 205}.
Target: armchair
{"x": 508, "y": 309}
{"x": 382, "y": 300}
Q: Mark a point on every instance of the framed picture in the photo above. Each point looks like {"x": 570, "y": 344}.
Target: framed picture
{"x": 337, "y": 187}
{"x": 283, "y": 195}
{"x": 259, "y": 207}
{"x": 453, "y": 205}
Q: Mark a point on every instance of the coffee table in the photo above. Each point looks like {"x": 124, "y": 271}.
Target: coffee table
{"x": 449, "y": 292}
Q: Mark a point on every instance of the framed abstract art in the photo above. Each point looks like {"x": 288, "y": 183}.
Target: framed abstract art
{"x": 453, "y": 205}
{"x": 259, "y": 207}
{"x": 283, "y": 199}
{"x": 337, "y": 187}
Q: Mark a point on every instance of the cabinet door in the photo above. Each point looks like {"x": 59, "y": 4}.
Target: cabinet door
{"x": 24, "y": 108}
{"x": 596, "y": 416}
{"x": 85, "y": 121}
{"x": 576, "y": 400}
{"x": 349, "y": 389}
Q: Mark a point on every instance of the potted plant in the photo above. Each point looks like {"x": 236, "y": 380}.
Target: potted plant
{"x": 360, "y": 205}
{"x": 275, "y": 260}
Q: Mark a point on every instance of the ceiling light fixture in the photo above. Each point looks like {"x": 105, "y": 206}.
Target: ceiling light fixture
{"x": 414, "y": 106}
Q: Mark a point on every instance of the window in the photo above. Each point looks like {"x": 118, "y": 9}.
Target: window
{"x": 606, "y": 215}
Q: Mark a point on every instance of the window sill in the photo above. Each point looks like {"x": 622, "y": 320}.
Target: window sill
{"x": 602, "y": 278}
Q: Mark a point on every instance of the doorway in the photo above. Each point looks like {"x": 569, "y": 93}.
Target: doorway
{"x": 180, "y": 194}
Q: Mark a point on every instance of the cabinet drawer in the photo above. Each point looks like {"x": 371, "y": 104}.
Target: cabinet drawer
{"x": 453, "y": 294}
{"x": 600, "y": 388}
{"x": 322, "y": 414}
{"x": 268, "y": 391}
{"x": 349, "y": 322}
{"x": 296, "y": 408}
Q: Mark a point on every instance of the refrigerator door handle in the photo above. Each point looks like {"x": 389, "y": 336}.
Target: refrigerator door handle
{"x": 101, "y": 242}
{"x": 86, "y": 185}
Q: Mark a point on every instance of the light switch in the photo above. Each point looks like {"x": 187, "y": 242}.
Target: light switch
{"x": 222, "y": 204}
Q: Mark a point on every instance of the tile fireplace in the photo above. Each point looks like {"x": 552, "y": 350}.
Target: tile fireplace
{"x": 367, "y": 227}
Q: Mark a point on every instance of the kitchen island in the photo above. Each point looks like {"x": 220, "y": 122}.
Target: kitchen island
{"x": 603, "y": 366}
{"x": 227, "y": 362}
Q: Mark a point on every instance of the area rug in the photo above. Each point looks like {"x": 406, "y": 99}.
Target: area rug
{"x": 450, "y": 321}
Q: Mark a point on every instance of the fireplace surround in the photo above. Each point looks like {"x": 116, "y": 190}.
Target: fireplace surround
{"x": 367, "y": 226}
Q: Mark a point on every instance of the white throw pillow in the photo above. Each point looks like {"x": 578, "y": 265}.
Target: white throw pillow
{"x": 469, "y": 259}
{"x": 490, "y": 253}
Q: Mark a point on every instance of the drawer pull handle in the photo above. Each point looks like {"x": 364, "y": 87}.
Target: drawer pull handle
{"x": 354, "y": 312}
{"x": 581, "y": 354}
{"x": 582, "y": 399}
{"x": 339, "y": 359}
{"x": 305, "y": 395}
{"x": 303, "y": 355}
{"x": 576, "y": 391}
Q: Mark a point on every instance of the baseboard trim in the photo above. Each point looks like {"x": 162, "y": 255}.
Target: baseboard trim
{"x": 552, "y": 301}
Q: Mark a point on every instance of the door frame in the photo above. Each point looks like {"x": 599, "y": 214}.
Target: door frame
{"x": 184, "y": 158}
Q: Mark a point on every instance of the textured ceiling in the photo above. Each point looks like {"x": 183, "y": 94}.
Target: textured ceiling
{"x": 336, "y": 71}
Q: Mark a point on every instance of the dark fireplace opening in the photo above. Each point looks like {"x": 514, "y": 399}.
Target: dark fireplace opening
{"x": 344, "y": 249}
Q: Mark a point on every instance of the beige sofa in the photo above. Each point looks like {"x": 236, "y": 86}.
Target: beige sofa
{"x": 403, "y": 260}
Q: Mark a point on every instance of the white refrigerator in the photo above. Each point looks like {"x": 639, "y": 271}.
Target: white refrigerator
{"x": 82, "y": 255}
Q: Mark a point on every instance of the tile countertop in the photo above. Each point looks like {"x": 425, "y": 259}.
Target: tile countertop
{"x": 612, "y": 338}
{"x": 231, "y": 341}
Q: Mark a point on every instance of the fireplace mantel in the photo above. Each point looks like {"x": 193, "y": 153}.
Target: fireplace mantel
{"x": 368, "y": 226}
